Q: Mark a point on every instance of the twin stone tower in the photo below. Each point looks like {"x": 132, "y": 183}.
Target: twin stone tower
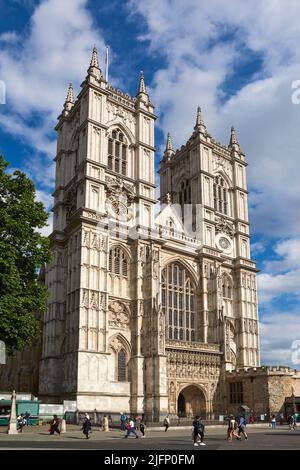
{"x": 148, "y": 308}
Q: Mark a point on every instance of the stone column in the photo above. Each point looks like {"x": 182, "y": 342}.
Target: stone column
{"x": 12, "y": 427}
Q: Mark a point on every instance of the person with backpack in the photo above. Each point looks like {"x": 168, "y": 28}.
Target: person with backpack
{"x": 198, "y": 431}
{"x": 167, "y": 423}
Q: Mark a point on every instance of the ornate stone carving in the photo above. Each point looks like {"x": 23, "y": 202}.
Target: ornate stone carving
{"x": 224, "y": 226}
{"x": 94, "y": 301}
{"x": 115, "y": 345}
{"x": 71, "y": 202}
{"x": 118, "y": 315}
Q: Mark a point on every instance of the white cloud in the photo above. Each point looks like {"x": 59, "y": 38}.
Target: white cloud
{"x": 197, "y": 63}
{"x": 281, "y": 277}
{"x": 36, "y": 67}
{"x": 276, "y": 341}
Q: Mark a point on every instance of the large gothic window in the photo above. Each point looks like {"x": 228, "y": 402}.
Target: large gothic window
{"x": 122, "y": 366}
{"x": 118, "y": 262}
{"x": 220, "y": 195}
{"x": 178, "y": 303}
{"x": 117, "y": 152}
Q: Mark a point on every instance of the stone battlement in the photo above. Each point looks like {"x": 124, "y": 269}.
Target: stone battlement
{"x": 121, "y": 97}
{"x": 263, "y": 370}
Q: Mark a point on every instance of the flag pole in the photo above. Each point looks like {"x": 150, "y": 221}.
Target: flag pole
{"x": 106, "y": 64}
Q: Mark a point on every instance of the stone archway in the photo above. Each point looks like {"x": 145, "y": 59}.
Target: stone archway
{"x": 191, "y": 402}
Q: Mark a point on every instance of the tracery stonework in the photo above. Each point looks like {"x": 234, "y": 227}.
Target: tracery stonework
{"x": 118, "y": 315}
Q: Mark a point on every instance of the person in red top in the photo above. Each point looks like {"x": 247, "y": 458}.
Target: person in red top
{"x": 251, "y": 419}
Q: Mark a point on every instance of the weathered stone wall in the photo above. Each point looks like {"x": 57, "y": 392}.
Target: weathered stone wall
{"x": 264, "y": 389}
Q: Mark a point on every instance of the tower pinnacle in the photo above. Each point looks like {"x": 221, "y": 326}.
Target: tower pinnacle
{"x": 94, "y": 68}
{"x": 200, "y": 126}
{"x": 142, "y": 94}
{"x": 169, "y": 151}
{"x": 69, "y": 103}
{"x": 233, "y": 140}
{"x": 70, "y": 95}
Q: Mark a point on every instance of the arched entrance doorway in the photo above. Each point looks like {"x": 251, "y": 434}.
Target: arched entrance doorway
{"x": 191, "y": 402}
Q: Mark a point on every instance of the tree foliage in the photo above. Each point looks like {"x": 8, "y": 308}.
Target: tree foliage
{"x": 22, "y": 251}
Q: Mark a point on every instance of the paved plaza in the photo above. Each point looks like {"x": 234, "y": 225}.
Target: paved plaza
{"x": 260, "y": 438}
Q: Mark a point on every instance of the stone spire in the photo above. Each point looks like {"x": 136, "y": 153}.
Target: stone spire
{"x": 233, "y": 140}
{"x": 169, "y": 151}
{"x": 200, "y": 126}
{"x": 69, "y": 103}
{"x": 94, "y": 68}
{"x": 70, "y": 95}
{"x": 142, "y": 92}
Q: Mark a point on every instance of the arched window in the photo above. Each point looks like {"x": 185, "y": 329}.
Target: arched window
{"x": 220, "y": 195}
{"x": 118, "y": 262}
{"x": 178, "y": 303}
{"x": 117, "y": 152}
{"x": 121, "y": 366}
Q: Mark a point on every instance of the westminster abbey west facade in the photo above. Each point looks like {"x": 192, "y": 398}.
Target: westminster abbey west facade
{"x": 147, "y": 312}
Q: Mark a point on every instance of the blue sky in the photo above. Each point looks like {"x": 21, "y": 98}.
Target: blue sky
{"x": 237, "y": 60}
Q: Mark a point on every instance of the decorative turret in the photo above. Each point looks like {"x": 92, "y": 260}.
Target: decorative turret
{"x": 169, "y": 151}
{"x": 142, "y": 92}
{"x": 233, "y": 144}
{"x": 200, "y": 126}
{"x": 69, "y": 103}
{"x": 94, "y": 68}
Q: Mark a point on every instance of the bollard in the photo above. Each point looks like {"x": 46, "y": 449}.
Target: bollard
{"x": 63, "y": 426}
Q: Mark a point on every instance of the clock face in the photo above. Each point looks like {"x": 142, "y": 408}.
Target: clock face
{"x": 224, "y": 243}
{"x": 117, "y": 209}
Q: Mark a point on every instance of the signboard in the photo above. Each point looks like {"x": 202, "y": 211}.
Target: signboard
{"x": 221, "y": 418}
{"x": 262, "y": 417}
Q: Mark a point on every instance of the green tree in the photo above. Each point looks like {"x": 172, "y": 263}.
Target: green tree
{"x": 22, "y": 251}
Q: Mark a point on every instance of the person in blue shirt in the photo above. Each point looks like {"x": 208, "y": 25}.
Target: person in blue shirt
{"x": 242, "y": 427}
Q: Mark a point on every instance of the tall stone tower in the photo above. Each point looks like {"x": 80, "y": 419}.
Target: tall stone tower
{"x": 209, "y": 179}
{"x": 104, "y": 195}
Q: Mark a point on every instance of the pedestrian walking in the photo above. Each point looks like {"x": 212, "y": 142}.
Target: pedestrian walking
{"x": 130, "y": 428}
{"x": 198, "y": 431}
{"x": 54, "y": 426}
{"x": 122, "y": 421}
{"x": 232, "y": 426}
{"x": 21, "y": 422}
{"x": 273, "y": 422}
{"x": 167, "y": 423}
{"x": 87, "y": 426}
{"x": 242, "y": 427}
{"x": 143, "y": 425}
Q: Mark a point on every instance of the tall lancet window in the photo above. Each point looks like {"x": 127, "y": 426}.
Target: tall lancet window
{"x": 122, "y": 366}
{"x": 117, "y": 152}
{"x": 221, "y": 197}
{"x": 178, "y": 303}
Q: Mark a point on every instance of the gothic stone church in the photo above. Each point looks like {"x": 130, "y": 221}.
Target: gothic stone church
{"x": 148, "y": 309}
